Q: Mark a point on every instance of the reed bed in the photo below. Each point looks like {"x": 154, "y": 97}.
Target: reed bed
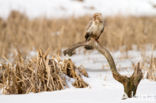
{"x": 151, "y": 71}
{"x": 40, "y": 74}
{"x": 20, "y": 32}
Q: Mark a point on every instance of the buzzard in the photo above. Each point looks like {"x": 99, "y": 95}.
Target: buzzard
{"x": 94, "y": 28}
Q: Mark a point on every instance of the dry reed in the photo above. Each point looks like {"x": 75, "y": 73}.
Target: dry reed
{"x": 151, "y": 72}
{"x": 20, "y": 32}
{"x": 39, "y": 74}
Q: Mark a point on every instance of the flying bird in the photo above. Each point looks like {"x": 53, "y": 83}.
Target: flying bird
{"x": 94, "y": 28}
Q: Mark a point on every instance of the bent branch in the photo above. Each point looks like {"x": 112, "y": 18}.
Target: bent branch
{"x": 130, "y": 83}
{"x": 70, "y": 51}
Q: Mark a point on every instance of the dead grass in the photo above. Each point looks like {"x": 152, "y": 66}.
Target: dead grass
{"x": 39, "y": 74}
{"x": 151, "y": 72}
{"x": 24, "y": 34}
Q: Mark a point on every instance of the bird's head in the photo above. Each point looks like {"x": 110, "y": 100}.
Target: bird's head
{"x": 98, "y": 17}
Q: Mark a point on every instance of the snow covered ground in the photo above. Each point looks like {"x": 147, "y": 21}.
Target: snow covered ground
{"x": 102, "y": 87}
{"x": 104, "y": 92}
{"x": 65, "y": 8}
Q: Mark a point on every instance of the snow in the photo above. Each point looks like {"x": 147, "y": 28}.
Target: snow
{"x": 102, "y": 87}
{"x": 66, "y": 8}
{"x": 105, "y": 91}
{"x": 94, "y": 60}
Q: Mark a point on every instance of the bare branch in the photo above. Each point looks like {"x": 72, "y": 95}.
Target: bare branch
{"x": 70, "y": 51}
{"x": 130, "y": 83}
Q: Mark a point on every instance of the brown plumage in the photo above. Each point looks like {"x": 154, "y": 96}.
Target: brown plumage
{"x": 95, "y": 28}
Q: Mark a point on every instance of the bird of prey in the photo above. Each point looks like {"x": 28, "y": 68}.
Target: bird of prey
{"x": 94, "y": 28}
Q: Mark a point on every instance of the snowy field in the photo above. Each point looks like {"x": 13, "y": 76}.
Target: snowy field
{"x": 102, "y": 87}
{"x": 66, "y": 8}
{"x": 104, "y": 91}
